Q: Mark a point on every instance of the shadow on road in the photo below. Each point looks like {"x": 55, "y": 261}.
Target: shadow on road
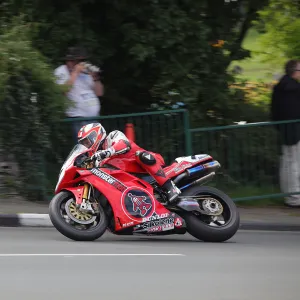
{"x": 145, "y": 240}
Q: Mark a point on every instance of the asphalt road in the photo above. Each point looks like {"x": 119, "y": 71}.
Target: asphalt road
{"x": 42, "y": 264}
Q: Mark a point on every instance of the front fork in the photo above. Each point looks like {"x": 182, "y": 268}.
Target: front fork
{"x": 85, "y": 205}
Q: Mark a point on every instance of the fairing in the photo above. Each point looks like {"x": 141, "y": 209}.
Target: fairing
{"x": 131, "y": 198}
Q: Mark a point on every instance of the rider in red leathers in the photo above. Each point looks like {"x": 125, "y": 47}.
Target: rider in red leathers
{"x": 94, "y": 137}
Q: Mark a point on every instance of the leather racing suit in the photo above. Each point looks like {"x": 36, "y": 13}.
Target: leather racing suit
{"x": 116, "y": 143}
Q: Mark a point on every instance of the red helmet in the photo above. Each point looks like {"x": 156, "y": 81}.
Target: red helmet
{"x": 91, "y": 135}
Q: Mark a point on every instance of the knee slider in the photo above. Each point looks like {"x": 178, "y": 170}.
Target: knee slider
{"x": 147, "y": 158}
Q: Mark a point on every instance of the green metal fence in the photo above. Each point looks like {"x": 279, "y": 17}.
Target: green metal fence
{"x": 250, "y": 157}
{"x": 249, "y": 154}
{"x": 161, "y": 131}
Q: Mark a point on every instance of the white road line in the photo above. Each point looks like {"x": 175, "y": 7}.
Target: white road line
{"x": 87, "y": 254}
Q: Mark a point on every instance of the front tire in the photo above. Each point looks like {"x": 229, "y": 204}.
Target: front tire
{"x": 200, "y": 229}
{"x": 70, "y": 231}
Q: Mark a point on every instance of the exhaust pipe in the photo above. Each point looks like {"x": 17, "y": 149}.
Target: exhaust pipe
{"x": 180, "y": 177}
{"x": 213, "y": 166}
{"x": 200, "y": 180}
{"x": 195, "y": 171}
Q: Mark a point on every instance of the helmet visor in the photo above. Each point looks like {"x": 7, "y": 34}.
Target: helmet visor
{"x": 89, "y": 140}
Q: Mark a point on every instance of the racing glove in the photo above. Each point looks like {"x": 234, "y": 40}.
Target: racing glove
{"x": 102, "y": 154}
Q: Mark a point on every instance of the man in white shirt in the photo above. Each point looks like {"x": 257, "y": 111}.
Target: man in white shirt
{"x": 85, "y": 88}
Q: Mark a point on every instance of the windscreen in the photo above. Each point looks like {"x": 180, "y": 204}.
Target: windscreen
{"x": 77, "y": 150}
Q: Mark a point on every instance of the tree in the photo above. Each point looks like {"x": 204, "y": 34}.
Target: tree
{"x": 31, "y": 105}
{"x": 148, "y": 49}
{"x": 280, "y": 24}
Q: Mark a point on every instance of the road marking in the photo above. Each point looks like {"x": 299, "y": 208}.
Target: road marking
{"x": 87, "y": 254}
{"x": 268, "y": 231}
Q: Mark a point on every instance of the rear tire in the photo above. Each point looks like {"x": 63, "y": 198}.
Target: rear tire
{"x": 204, "y": 232}
{"x": 68, "y": 230}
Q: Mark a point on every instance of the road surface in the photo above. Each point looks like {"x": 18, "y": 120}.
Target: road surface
{"x": 43, "y": 264}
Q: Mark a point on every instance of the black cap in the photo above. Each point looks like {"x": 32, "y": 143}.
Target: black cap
{"x": 76, "y": 53}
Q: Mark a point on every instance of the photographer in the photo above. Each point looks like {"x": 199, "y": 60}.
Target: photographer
{"x": 85, "y": 87}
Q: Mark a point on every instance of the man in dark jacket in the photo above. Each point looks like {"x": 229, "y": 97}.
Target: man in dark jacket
{"x": 285, "y": 105}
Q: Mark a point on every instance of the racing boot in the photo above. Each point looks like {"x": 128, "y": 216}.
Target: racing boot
{"x": 172, "y": 190}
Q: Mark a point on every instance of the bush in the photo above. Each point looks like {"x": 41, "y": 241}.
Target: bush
{"x": 31, "y": 106}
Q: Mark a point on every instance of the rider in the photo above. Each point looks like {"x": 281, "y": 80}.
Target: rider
{"x": 94, "y": 137}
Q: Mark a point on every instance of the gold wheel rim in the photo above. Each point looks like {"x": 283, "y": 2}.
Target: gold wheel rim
{"x": 77, "y": 214}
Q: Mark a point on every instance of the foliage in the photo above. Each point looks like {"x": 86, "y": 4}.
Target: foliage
{"x": 256, "y": 95}
{"x": 255, "y": 68}
{"x": 146, "y": 50}
{"x": 280, "y": 24}
{"x": 31, "y": 104}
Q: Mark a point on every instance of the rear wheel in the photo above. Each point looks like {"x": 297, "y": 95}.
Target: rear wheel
{"x": 218, "y": 227}
{"x": 73, "y": 223}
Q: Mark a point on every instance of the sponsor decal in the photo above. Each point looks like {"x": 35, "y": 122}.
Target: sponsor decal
{"x": 160, "y": 173}
{"x": 137, "y": 204}
{"x": 182, "y": 167}
{"x": 168, "y": 227}
{"x": 119, "y": 186}
{"x": 155, "y": 229}
{"x": 103, "y": 175}
{"x": 127, "y": 224}
{"x": 178, "y": 223}
{"x": 155, "y": 216}
{"x": 109, "y": 179}
{"x": 162, "y": 224}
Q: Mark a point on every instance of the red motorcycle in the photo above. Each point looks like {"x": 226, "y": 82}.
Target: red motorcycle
{"x": 119, "y": 196}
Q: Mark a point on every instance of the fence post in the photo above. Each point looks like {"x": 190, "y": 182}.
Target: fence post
{"x": 187, "y": 133}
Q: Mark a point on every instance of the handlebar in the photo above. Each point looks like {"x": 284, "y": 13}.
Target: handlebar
{"x": 88, "y": 163}
{"x": 91, "y": 162}
{"x": 81, "y": 162}
{"x": 88, "y": 160}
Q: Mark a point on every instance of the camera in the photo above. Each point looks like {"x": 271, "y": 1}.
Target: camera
{"x": 91, "y": 68}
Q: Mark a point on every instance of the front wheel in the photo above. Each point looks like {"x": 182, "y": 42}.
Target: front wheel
{"x": 217, "y": 228}
{"x": 74, "y": 224}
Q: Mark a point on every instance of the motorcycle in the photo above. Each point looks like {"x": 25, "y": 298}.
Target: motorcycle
{"x": 119, "y": 196}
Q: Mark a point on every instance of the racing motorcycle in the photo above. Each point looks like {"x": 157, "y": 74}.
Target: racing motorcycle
{"x": 119, "y": 196}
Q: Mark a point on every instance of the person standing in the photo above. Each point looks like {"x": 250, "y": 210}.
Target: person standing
{"x": 285, "y": 105}
{"x": 85, "y": 88}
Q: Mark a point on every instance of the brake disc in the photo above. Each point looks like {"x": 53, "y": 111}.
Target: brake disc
{"x": 212, "y": 206}
{"x": 77, "y": 215}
